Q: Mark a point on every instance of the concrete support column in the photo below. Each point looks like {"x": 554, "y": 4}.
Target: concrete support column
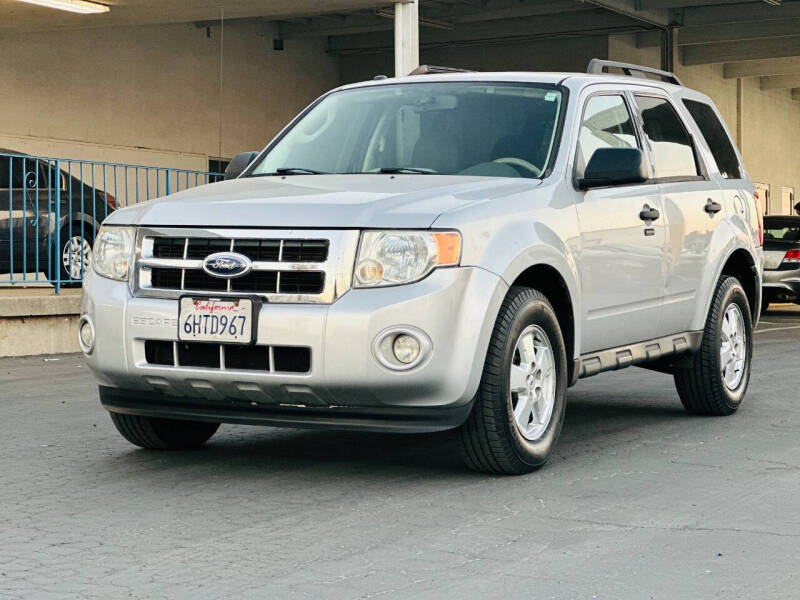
{"x": 406, "y": 37}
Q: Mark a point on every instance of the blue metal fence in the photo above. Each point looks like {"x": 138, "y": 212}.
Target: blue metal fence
{"x": 51, "y": 209}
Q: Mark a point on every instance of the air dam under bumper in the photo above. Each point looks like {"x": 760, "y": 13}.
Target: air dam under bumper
{"x": 346, "y": 387}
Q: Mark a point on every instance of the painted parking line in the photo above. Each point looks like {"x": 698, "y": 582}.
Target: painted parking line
{"x": 778, "y": 329}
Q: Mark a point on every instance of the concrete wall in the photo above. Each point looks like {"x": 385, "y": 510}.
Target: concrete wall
{"x": 770, "y": 134}
{"x": 153, "y": 95}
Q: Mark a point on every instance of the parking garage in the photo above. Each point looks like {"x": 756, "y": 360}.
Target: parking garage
{"x": 138, "y": 99}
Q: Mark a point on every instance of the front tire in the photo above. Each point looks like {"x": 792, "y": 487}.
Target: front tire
{"x": 717, "y": 377}
{"x": 163, "y": 434}
{"x": 519, "y": 408}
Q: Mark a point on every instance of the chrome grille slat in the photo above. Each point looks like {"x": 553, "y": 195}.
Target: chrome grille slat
{"x": 312, "y": 282}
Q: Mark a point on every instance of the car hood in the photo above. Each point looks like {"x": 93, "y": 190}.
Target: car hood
{"x": 320, "y": 201}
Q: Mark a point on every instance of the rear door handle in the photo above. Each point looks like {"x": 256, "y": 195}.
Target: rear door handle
{"x": 648, "y": 215}
{"x": 712, "y": 207}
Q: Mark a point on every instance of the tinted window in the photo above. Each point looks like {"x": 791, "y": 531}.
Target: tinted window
{"x": 716, "y": 137}
{"x": 606, "y": 124}
{"x": 782, "y": 230}
{"x": 670, "y": 143}
{"x": 16, "y": 174}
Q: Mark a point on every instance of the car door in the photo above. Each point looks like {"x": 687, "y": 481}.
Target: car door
{"x": 15, "y": 215}
{"x": 693, "y": 205}
{"x": 621, "y": 255}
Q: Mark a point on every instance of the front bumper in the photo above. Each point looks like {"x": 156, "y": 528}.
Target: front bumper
{"x": 346, "y": 387}
{"x": 781, "y": 285}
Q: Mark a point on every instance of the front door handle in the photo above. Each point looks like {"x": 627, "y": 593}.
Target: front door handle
{"x": 712, "y": 207}
{"x": 648, "y": 215}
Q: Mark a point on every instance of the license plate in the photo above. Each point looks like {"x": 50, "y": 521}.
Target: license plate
{"x": 216, "y": 320}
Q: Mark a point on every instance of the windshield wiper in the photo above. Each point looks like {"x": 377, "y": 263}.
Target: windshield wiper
{"x": 413, "y": 170}
{"x": 289, "y": 171}
{"x": 297, "y": 171}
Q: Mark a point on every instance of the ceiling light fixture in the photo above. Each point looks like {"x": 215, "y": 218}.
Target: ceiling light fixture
{"x": 76, "y": 6}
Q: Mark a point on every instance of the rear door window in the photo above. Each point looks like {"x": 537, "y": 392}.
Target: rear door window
{"x": 716, "y": 137}
{"x": 670, "y": 143}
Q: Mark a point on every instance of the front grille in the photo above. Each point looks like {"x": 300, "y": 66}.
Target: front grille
{"x": 169, "y": 247}
{"x": 287, "y": 267}
{"x": 263, "y": 359}
{"x": 258, "y": 282}
{"x": 302, "y": 251}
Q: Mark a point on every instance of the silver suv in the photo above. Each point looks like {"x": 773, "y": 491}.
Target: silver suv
{"x": 434, "y": 252}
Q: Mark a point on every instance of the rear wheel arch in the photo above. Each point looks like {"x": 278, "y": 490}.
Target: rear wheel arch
{"x": 549, "y": 281}
{"x": 741, "y": 265}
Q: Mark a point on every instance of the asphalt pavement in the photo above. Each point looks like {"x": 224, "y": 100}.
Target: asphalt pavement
{"x": 640, "y": 501}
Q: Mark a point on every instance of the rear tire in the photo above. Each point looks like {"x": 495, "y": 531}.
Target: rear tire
{"x": 163, "y": 434}
{"x": 717, "y": 377}
{"x": 526, "y": 366}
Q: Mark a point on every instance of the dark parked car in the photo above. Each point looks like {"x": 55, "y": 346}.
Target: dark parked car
{"x": 781, "y": 260}
{"x": 28, "y": 190}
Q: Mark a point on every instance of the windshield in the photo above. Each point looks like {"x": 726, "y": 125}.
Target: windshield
{"x": 787, "y": 230}
{"x": 482, "y": 129}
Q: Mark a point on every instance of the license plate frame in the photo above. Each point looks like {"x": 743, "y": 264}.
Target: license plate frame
{"x": 255, "y": 309}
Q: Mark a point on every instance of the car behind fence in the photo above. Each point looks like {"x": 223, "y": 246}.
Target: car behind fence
{"x": 51, "y": 209}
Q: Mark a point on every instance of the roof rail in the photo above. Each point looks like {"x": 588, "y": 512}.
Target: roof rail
{"x": 432, "y": 69}
{"x": 598, "y": 66}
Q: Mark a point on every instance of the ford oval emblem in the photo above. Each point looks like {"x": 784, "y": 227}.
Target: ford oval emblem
{"x": 227, "y": 265}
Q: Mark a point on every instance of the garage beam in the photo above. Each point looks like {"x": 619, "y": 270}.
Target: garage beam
{"x": 747, "y": 50}
{"x": 366, "y": 22}
{"x": 634, "y": 10}
{"x": 780, "y": 82}
{"x": 752, "y": 11}
{"x": 760, "y": 68}
{"x": 737, "y": 32}
{"x": 345, "y": 25}
{"x": 513, "y": 9}
{"x": 587, "y": 22}
{"x": 663, "y": 4}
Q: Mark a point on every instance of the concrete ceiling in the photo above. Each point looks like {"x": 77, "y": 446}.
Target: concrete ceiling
{"x": 16, "y": 15}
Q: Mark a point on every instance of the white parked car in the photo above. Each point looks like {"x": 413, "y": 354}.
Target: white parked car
{"x": 434, "y": 252}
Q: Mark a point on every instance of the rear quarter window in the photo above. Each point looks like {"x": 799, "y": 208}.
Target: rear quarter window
{"x": 716, "y": 137}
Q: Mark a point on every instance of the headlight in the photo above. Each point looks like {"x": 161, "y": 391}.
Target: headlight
{"x": 396, "y": 257}
{"x": 113, "y": 252}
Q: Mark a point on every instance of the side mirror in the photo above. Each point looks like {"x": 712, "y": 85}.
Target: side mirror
{"x": 614, "y": 166}
{"x": 239, "y": 163}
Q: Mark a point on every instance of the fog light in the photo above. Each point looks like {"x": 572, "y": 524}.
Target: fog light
{"x": 402, "y": 347}
{"x": 86, "y": 334}
{"x": 406, "y": 348}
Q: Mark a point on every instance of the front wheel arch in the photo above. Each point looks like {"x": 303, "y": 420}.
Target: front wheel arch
{"x": 547, "y": 280}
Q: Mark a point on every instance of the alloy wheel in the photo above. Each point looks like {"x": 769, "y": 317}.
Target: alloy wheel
{"x": 532, "y": 380}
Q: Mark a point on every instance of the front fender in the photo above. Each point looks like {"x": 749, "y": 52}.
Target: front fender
{"x": 518, "y": 245}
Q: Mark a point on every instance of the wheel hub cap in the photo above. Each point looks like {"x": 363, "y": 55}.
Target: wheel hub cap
{"x": 76, "y": 256}
{"x": 733, "y": 347}
{"x": 532, "y": 383}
